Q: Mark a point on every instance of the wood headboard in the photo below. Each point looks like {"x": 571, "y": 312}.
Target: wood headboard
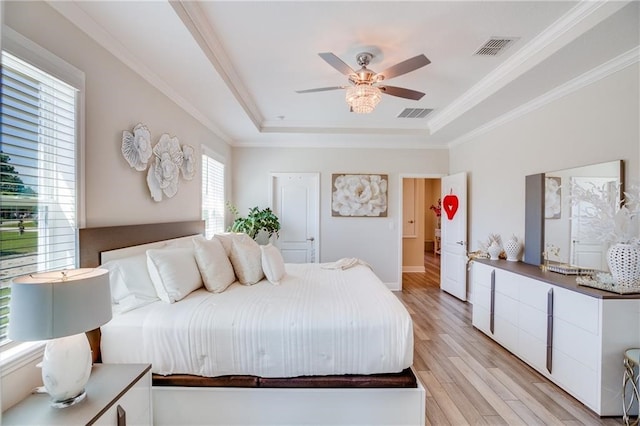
{"x": 94, "y": 241}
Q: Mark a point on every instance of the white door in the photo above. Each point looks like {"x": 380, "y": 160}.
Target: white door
{"x": 453, "y": 258}
{"x": 295, "y": 200}
{"x": 586, "y": 251}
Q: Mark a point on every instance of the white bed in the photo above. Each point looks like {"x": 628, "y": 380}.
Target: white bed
{"x": 318, "y": 322}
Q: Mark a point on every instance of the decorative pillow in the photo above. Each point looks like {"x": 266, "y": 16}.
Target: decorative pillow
{"x": 272, "y": 263}
{"x": 174, "y": 272}
{"x": 227, "y": 238}
{"x": 182, "y": 242}
{"x": 245, "y": 258}
{"x": 213, "y": 263}
{"x": 130, "y": 282}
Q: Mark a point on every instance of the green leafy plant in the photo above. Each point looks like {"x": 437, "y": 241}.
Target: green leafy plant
{"x": 257, "y": 220}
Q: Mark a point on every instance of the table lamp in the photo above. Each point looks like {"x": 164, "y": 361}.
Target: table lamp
{"x": 60, "y": 307}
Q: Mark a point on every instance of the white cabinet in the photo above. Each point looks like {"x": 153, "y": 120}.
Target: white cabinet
{"x": 117, "y": 394}
{"x": 575, "y": 338}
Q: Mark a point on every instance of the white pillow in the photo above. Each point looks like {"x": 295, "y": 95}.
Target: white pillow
{"x": 130, "y": 282}
{"x": 182, "y": 242}
{"x": 246, "y": 260}
{"x": 272, "y": 263}
{"x": 227, "y": 238}
{"x": 174, "y": 272}
{"x": 213, "y": 263}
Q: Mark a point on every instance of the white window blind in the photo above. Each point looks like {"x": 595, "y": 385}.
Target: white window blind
{"x": 212, "y": 195}
{"x": 38, "y": 177}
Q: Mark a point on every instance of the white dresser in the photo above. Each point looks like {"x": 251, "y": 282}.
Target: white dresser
{"x": 117, "y": 394}
{"x": 575, "y": 336}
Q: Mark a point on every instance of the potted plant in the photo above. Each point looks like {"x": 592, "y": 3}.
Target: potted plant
{"x": 257, "y": 220}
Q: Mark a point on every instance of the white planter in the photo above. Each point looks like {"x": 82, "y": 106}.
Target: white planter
{"x": 512, "y": 249}
{"x": 494, "y": 251}
{"x": 624, "y": 264}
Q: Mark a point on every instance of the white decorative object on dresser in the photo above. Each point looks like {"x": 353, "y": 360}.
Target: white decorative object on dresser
{"x": 575, "y": 336}
{"x": 117, "y": 394}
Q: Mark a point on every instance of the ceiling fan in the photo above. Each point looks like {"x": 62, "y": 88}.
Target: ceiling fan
{"x": 364, "y": 92}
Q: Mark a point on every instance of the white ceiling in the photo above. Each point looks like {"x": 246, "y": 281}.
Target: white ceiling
{"x": 235, "y": 65}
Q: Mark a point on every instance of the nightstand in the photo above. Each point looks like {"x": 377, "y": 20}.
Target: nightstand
{"x": 117, "y": 394}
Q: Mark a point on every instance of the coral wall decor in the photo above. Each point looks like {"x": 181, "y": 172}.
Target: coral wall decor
{"x": 167, "y": 160}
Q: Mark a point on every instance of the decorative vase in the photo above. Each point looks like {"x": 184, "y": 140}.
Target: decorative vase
{"x": 512, "y": 249}
{"x": 494, "y": 250}
{"x": 624, "y": 264}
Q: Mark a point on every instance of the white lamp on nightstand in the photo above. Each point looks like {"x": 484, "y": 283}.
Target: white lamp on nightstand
{"x": 60, "y": 307}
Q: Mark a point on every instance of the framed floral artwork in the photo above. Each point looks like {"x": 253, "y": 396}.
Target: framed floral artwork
{"x": 359, "y": 195}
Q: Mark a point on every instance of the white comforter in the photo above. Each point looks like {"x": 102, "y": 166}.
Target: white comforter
{"x": 318, "y": 321}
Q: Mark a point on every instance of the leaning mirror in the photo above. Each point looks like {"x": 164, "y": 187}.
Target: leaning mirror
{"x": 564, "y": 224}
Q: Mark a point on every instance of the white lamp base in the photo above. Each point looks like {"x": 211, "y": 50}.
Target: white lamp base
{"x": 66, "y": 369}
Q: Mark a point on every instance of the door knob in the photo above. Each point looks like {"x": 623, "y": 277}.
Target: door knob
{"x": 310, "y": 239}
{"x": 410, "y": 221}
{"x": 460, "y": 243}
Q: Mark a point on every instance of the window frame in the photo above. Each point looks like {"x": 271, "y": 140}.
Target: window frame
{"x": 13, "y": 355}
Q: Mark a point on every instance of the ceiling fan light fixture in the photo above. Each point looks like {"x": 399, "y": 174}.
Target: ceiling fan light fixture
{"x": 363, "y": 98}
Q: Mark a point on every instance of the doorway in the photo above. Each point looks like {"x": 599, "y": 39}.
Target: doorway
{"x": 420, "y": 236}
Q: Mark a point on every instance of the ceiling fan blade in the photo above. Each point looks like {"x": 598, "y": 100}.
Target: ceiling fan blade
{"x": 337, "y": 63}
{"x": 404, "y": 67}
{"x": 320, "y": 89}
{"x": 401, "y": 92}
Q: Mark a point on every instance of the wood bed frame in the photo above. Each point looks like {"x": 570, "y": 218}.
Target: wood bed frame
{"x": 397, "y": 398}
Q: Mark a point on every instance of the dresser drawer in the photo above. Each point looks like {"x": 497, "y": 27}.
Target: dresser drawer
{"x": 576, "y": 343}
{"x": 576, "y": 378}
{"x": 534, "y": 293}
{"x": 577, "y": 309}
{"x": 482, "y": 319}
{"x": 481, "y": 275}
{"x": 507, "y": 284}
{"x": 533, "y": 322}
{"x": 482, "y": 297}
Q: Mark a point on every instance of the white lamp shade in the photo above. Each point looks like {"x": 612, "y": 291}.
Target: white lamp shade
{"x": 51, "y": 305}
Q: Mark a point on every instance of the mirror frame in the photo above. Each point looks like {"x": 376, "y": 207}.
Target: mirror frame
{"x": 534, "y": 213}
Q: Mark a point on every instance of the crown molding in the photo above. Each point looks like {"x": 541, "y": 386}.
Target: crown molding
{"x": 78, "y": 17}
{"x": 344, "y": 130}
{"x": 575, "y": 22}
{"x": 339, "y": 144}
{"x": 604, "y": 70}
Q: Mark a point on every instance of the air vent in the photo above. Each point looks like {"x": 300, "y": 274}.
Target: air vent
{"x": 414, "y": 112}
{"x": 495, "y": 46}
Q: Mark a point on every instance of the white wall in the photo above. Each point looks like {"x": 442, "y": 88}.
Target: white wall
{"x": 375, "y": 240}
{"x": 116, "y": 100}
{"x": 595, "y": 124}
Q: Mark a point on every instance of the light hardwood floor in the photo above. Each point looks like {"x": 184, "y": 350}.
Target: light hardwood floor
{"x": 469, "y": 378}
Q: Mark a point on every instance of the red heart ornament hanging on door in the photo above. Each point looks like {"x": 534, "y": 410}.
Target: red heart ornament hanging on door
{"x": 450, "y": 205}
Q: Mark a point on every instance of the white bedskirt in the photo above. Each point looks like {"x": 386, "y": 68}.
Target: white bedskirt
{"x": 316, "y": 322}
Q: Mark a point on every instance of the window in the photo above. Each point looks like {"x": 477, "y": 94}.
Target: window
{"x": 38, "y": 185}
{"x": 212, "y": 194}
